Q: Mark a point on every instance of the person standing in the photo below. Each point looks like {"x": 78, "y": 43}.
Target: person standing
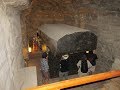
{"x": 45, "y": 68}
{"x": 92, "y": 59}
{"x": 64, "y": 67}
{"x": 83, "y": 66}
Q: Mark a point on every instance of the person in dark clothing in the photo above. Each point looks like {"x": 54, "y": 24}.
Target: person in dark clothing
{"x": 84, "y": 66}
{"x": 64, "y": 67}
{"x": 92, "y": 59}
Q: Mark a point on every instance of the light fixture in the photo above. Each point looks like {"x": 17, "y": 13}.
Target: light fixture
{"x": 29, "y": 49}
{"x": 44, "y": 48}
{"x": 87, "y": 51}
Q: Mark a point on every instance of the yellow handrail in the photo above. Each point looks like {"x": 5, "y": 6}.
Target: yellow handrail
{"x": 78, "y": 81}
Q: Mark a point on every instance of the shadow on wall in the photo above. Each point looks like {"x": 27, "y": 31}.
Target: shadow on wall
{"x": 105, "y": 57}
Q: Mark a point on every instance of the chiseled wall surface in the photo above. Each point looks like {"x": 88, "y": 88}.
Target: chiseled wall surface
{"x": 11, "y": 59}
{"x": 107, "y": 28}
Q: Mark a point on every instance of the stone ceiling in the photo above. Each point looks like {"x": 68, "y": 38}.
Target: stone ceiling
{"x": 62, "y": 5}
{"x": 64, "y": 11}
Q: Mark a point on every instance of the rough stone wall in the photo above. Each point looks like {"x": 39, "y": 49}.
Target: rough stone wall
{"x": 107, "y": 28}
{"x": 11, "y": 59}
{"x": 56, "y": 11}
{"x": 25, "y": 38}
{"x": 71, "y": 12}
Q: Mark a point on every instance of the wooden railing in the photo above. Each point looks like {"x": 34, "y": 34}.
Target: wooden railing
{"x": 78, "y": 81}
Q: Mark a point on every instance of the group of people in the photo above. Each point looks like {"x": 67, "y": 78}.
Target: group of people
{"x": 86, "y": 66}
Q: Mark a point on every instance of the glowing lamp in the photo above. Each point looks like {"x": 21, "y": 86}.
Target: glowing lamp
{"x": 29, "y": 49}
{"x": 44, "y": 48}
{"x": 87, "y": 51}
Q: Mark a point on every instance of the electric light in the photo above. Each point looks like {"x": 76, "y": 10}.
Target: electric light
{"x": 44, "y": 48}
{"x": 87, "y": 51}
{"x": 29, "y": 49}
